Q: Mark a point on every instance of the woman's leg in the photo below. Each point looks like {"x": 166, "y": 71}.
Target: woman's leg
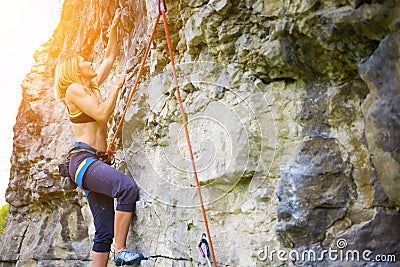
{"x": 103, "y": 179}
{"x": 121, "y": 226}
{"x": 100, "y": 259}
{"x": 102, "y": 208}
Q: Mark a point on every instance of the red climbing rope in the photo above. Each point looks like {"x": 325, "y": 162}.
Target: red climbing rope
{"x": 187, "y": 137}
{"x": 111, "y": 146}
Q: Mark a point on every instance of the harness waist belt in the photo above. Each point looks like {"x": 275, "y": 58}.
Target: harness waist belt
{"x": 83, "y": 147}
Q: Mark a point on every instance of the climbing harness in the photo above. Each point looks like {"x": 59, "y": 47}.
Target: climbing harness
{"x": 206, "y": 254}
{"x": 111, "y": 147}
{"x": 80, "y": 172}
{"x": 70, "y": 183}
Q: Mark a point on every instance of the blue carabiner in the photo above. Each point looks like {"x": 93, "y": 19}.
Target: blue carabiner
{"x": 203, "y": 240}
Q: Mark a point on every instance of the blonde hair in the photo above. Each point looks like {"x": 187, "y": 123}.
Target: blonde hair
{"x": 66, "y": 73}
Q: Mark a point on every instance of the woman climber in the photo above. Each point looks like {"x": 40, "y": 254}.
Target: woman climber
{"x": 76, "y": 84}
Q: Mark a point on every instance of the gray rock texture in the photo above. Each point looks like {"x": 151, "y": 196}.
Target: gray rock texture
{"x": 293, "y": 115}
{"x": 382, "y": 114}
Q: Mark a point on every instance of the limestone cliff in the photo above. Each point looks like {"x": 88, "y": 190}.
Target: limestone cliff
{"x": 294, "y": 117}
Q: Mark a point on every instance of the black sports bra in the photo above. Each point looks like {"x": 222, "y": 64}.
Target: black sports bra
{"x": 80, "y": 117}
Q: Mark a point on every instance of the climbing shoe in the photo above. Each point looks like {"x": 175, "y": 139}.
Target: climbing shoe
{"x": 127, "y": 257}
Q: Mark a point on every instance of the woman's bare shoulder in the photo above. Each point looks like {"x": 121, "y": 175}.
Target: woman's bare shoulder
{"x": 75, "y": 89}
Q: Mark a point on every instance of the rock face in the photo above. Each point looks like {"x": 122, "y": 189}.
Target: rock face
{"x": 382, "y": 114}
{"x": 293, "y": 118}
{"x": 314, "y": 193}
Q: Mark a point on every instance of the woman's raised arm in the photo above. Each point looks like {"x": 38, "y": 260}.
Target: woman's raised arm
{"x": 111, "y": 51}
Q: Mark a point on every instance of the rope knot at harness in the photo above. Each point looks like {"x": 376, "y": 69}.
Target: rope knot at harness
{"x": 111, "y": 150}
